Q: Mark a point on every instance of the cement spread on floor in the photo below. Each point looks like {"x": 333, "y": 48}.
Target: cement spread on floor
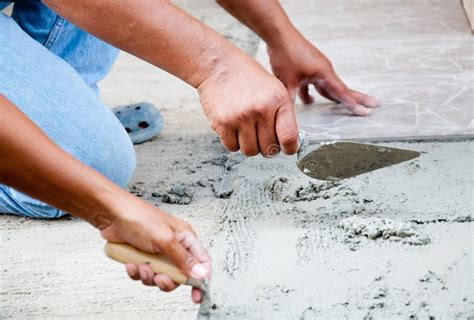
{"x": 396, "y": 242}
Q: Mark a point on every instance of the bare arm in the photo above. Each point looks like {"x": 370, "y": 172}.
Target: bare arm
{"x": 295, "y": 61}
{"x": 34, "y": 165}
{"x": 265, "y": 17}
{"x": 155, "y": 31}
{"x": 247, "y": 117}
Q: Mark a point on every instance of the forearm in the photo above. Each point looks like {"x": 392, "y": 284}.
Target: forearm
{"x": 34, "y": 165}
{"x": 265, "y": 17}
{"x": 155, "y": 31}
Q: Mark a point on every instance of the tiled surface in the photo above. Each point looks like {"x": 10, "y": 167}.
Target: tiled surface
{"x": 417, "y": 57}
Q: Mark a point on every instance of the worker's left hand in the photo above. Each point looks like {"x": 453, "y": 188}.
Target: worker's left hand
{"x": 298, "y": 64}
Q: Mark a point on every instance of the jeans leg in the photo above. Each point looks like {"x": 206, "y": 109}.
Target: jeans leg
{"x": 90, "y": 57}
{"x": 3, "y": 5}
{"x": 55, "y": 97}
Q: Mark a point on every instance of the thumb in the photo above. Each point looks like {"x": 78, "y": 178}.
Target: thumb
{"x": 286, "y": 128}
{"x": 183, "y": 258}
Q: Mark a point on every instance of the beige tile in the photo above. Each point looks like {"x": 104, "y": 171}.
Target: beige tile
{"x": 417, "y": 57}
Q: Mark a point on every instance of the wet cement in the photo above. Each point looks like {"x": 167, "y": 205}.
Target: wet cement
{"x": 279, "y": 243}
{"x": 395, "y": 242}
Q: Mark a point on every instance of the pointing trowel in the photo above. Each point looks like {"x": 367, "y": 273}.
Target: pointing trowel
{"x": 338, "y": 160}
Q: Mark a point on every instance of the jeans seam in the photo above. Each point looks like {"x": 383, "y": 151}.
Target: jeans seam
{"x": 53, "y": 35}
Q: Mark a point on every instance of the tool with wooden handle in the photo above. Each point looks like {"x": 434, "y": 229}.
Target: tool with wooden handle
{"x": 159, "y": 263}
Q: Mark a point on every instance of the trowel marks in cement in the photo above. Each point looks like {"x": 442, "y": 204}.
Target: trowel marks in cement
{"x": 295, "y": 249}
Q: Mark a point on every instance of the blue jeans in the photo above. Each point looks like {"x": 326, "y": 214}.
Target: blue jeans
{"x": 49, "y": 69}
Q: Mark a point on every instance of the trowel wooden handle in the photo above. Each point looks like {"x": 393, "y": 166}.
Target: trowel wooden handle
{"x": 159, "y": 263}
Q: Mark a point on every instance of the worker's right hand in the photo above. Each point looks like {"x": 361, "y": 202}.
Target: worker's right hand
{"x": 249, "y": 109}
{"x": 151, "y": 229}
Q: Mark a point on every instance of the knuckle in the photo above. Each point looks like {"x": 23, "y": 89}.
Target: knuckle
{"x": 185, "y": 226}
{"x": 222, "y": 122}
{"x": 260, "y": 110}
{"x": 188, "y": 261}
{"x": 226, "y": 121}
{"x": 280, "y": 96}
{"x": 166, "y": 239}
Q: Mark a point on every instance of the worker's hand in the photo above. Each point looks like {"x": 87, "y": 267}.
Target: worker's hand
{"x": 150, "y": 229}
{"x": 250, "y": 109}
{"x": 298, "y": 64}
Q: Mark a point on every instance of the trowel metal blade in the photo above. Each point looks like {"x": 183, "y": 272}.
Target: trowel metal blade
{"x": 207, "y": 306}
{"x": 340, "y": 160}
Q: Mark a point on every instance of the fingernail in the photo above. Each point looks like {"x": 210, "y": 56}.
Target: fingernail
{"x": 372, "y": 102}
{"x": 361, "y": 110}
{"x": 162, "y": 287}
{"x": 198, "y": 271}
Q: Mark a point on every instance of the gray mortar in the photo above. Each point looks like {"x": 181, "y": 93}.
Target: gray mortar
{"x": 223, "y": 188}
{"x": 394, "y": 243}
{"x": 272, "y": 258}
{"x": 178, "y": 194}
{"x": 378, "y": 228}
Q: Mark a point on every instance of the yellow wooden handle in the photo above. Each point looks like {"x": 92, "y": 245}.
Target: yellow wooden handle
{"x": 159, "y": 263}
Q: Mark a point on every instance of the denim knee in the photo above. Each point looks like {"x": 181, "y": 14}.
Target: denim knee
{"x": 121, "y": 165}
{"x": 105, "y": 147}
{"x": 54, "y": 96}
{"x": 119, "y": 162}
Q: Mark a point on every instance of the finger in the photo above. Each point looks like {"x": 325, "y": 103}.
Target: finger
{"x": 183, "y": 258}
{"x": 267, "y": 139}
{"x": 164, "y": 282}
{"x": 344, "y": 96}
{"x": 192, "y": 244}
{"x": 229, "y": 139}
{"x": 146, "y": 274}
{"x": 359, "y": 110}
{"x": 196, "y": 295}
{"x": 132, "y": 271}
{"x": 292, "y": 92}
{"x": 291, "y": 85}
{"x": 365, "y": 99}
{"x": 248, "y": 139}
{"x": 324, "y": 93}
{"x": 286, "y": 128}
{"x": 350, "y": 103}
{"x": 331, "y": 88}
{"x": 304, "y": 95}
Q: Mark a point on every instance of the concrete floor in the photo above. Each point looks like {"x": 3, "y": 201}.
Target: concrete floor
{"x": 272, "y": 258}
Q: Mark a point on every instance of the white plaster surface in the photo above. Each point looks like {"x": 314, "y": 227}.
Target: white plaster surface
{"x": 417, "y": 57}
